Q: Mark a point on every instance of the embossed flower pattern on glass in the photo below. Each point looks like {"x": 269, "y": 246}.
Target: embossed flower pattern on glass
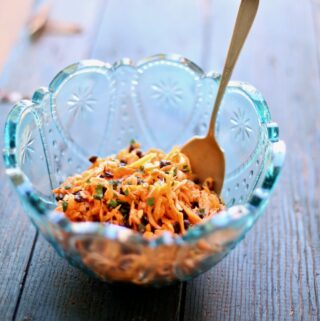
{"x": 240, "y": 125}
{"x": 268, "y": 155}
{"x": 168, "y": 93}
{"x": 26, "y": 145}
{"x": 81, "y": 102}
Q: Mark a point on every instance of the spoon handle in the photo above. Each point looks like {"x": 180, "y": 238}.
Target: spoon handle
{"x": 246, "y": 14}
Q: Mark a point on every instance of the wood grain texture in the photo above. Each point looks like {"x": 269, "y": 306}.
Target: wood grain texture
{"x": 274, "y": 273}
{"x": 316, "y": 18}
{"x": 30, "y": 66}
{"x": 13, "y": 15}
{"x": 138, "y": 29}
{"x": 40, "y": 61}
{"x": 55, "y": 291}
{"x": 16, "y": 241}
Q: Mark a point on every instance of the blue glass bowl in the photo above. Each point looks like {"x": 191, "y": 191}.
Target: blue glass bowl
{"x": 93, "y": 108}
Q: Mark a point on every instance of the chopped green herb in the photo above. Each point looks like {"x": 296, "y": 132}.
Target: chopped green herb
{"x": 175, "y": 171}
{"x": 202, "y": 211}
{"x": 64, "y": 205}
{"x": 141, "y": 168}
{"x": 186, "y": 168}
{"x": 124, "y": 209}
{"x": 141, "y": 228}
{"x": 167, "y": 172}
{"x": 113, "y": 203}
{"x": 99, "y": 192}
{"x": 67, "y": 187}
{"x": 88, "y": 180}
{"x": 150, "y": 201}
{"x": 132, "y": 141}
{"x": 126, "y": 192}
{"x": 114, "y": 183}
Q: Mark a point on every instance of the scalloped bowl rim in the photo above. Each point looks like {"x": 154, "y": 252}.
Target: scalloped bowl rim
{"x": 237, "y": 214}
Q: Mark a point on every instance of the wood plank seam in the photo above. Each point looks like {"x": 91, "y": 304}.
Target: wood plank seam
{"x": 24, "y": 277}
{"x": 206, "y": 34}
{"x": 182, "y": 302}
{"x": 36, "y": 237}
{"x": 140, "y": 309}
{"x": 315, "y": 12}
{"x": 98, "y": 27}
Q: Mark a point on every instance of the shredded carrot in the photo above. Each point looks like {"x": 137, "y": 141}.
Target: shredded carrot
{"x": 150, "y": 192}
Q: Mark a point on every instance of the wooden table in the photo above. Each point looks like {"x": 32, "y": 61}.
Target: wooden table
{"x": 274, "y": 273}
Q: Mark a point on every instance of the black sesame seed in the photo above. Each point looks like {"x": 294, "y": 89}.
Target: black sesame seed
{"x": 194, "y": 204}
{"x": 78, "y": 198}
{"x": 197, "y": 181}
{"x": 186, "y": 224}
{"x": 123, "y": 163}
{"x": 164, "y": 163}
{"x": 185, "y": 216}
{"x": 140, "y": 181}
{"x": 93, "y": 159}
{"x": 59, "y": 197}
{"x": 95, "y": 218}
{"x": 139, "y": 153}
{"x": 176, "y": 227}
{"x": 144, "y": 220}
{"x": 108, "y": 175}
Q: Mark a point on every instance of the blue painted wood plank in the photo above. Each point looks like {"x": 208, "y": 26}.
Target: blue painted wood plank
{"x": 72, "y": 295}
{"x": 17, "y": 238}
{"x": 39, "y": 61}
{"x": 140, "y": 28}
{"x": 274, "y": 273}
{"x": 29, "y": 66}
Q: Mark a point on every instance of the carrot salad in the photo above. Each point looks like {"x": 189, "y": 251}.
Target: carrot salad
{"x": 150, "y": 192}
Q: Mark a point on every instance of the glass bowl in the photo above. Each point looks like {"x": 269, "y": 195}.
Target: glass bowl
{"x": 93, "y": 108}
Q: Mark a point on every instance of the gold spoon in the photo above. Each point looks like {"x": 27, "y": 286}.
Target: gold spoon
{"x": 205, "y": 154}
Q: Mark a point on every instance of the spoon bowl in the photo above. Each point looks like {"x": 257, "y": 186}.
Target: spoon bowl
{"x": 207, "y": 160}
{"x": 206, "y": 156}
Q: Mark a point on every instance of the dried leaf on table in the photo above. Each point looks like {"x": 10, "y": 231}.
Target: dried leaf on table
{"x": 60, "y": 27}
{"x": 38, "y": 21}
{"x": 11, "y": 96}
